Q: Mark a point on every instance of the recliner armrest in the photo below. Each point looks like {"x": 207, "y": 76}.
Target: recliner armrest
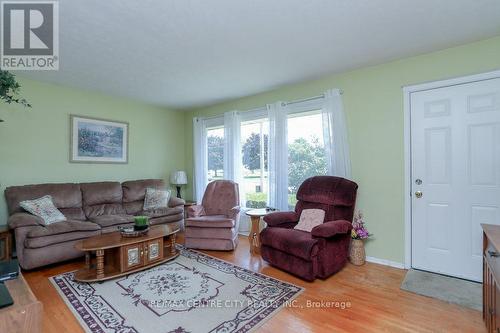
{"x": 195, "y": 211}
{"x": 233, "y": 213}
{"x": 331, "y": 228}
{"x": 19, "y": 220}
{"x": 174, "y": 202}
{"x": 281, "y": 219}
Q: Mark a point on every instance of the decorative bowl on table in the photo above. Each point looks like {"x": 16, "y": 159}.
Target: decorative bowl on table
{"x": 140, "y": 227}
{"x": 131, "y": 232}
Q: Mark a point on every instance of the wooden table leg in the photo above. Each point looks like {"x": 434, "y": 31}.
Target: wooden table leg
{"x": 253, "y": 237}
{"x": 173, "y": 250}
{"x": 100, "y": 263}
{"x": 87, "y": 260}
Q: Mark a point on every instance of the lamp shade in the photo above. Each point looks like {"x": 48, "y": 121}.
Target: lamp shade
{"x": 178, "y": 178}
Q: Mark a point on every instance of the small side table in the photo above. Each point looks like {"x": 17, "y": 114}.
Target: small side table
{"x": 5, "y": 243}
{"x": 253, "y": 237}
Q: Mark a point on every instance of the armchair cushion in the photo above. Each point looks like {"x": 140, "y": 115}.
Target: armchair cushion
{"x": 281, "y": 218}
{"x": 195, "y": 211}
{"x": 295, "y": 242}
{"x": 18, "y": 220}
{"x": 210, "y": 221}
{"x": 332, "y": 228}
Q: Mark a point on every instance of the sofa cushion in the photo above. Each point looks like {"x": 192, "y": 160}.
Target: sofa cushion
{"x": 102, "y": 198}
{"x": 134, "y": 193}
{"x": 295, "y": 242}
{"x": 74, "y": 213}
{"x": 166, "y": 219}
{"x": 38, "y": 242}
{"x": 101, "y": 193}
{"x": 106, "y": 209}
{"x": 162, "y": 212}
{"x": 136, "y": 190}
{"x": 63, "y": 196}
{"x": 110, "y": 220}
{"x": 210, "y": 221}
{"x": 68, "y": 226}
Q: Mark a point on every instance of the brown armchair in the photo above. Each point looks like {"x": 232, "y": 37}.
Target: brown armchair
{"x": 214, "y": 224}
{"x": 324, "y": 250}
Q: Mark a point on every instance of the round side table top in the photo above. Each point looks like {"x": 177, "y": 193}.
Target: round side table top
{"x": 258, "y": 212}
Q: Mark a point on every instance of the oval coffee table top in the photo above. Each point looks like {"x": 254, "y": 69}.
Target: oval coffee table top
{"x": 115, "y": 239}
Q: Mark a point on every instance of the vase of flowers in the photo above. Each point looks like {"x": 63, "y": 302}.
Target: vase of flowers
{"x": 359, "y": 233}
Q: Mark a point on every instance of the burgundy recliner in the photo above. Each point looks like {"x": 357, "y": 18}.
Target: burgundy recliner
{"x": 324, "y": 250}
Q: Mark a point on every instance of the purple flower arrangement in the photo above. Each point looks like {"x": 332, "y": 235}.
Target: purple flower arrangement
{"x": 359, "y": 230}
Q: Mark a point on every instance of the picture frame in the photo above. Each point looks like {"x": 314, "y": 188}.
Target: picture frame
{"x": 95, "y": 140}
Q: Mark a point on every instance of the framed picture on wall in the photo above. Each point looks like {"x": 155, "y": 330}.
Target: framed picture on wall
{"x": 98, "y": 140}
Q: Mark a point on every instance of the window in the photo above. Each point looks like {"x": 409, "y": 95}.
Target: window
{"x": 254, "y": 151}
{"x": 301, "y": 147}
{"x": 306, "y": 150}
{"x": 215, "y": 153}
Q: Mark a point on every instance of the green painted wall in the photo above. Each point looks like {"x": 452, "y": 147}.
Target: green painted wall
{"x": 34, "y": 144}
{"x": 373, "y": 101}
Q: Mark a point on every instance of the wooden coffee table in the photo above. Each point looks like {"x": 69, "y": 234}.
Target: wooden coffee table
{"x": 117, "y": 256}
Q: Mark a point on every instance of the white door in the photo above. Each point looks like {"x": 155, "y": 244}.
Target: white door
{"x": 455, "y": 152}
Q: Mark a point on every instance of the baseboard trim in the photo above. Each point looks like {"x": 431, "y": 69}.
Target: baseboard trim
{"x": 385, "y": 262}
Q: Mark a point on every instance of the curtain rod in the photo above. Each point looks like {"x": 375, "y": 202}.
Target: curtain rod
{"x": 283, "y": 103}
{"x": 308, "y": 99}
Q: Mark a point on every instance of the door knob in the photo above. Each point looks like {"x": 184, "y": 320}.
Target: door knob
{"x": 418, "y": 194}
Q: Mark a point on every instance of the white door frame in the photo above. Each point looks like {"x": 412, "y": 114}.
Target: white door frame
{"x": 407, "y": 90}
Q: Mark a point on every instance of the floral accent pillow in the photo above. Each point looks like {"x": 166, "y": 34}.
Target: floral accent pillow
{"x": 43, "y": 207}
{"x": 156, "y": 199}
{"x": 310, "y": 218}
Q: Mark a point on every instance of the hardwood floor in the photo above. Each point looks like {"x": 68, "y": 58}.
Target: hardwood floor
{"x": 377, "y": 303}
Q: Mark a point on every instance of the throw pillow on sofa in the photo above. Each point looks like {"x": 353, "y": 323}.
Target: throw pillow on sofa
{"x": 156, "y": 199}
{"x": 310, "y": 218}
{"x": 43, "y": 207}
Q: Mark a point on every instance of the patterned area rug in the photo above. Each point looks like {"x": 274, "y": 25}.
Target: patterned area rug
{"x": 193, "y": 293}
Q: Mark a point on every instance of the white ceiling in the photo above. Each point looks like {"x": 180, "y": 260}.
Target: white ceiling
{"x": 189, "y": 53}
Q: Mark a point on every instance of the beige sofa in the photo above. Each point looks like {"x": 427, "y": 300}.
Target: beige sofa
{"x": 91, "y": 209}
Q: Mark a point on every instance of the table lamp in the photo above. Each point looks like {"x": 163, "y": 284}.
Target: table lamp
{"x": 178, "y": 178}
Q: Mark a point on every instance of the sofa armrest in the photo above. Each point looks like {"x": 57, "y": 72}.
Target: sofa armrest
{"x": 281, "y": 219}
{"x": 174, "y": 202}
{"x": 332, "y": 228}
{"x": 233, "y": 213}
{"x": 18, "y": 220}
{"x": 195, "y": 211}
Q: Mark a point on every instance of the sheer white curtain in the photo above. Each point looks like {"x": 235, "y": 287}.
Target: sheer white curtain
{"x": 200, "y": 157}
{"x": 278, "y": 156}
{"x": 232, "y": 150}
{"x": 335, "y": 135}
